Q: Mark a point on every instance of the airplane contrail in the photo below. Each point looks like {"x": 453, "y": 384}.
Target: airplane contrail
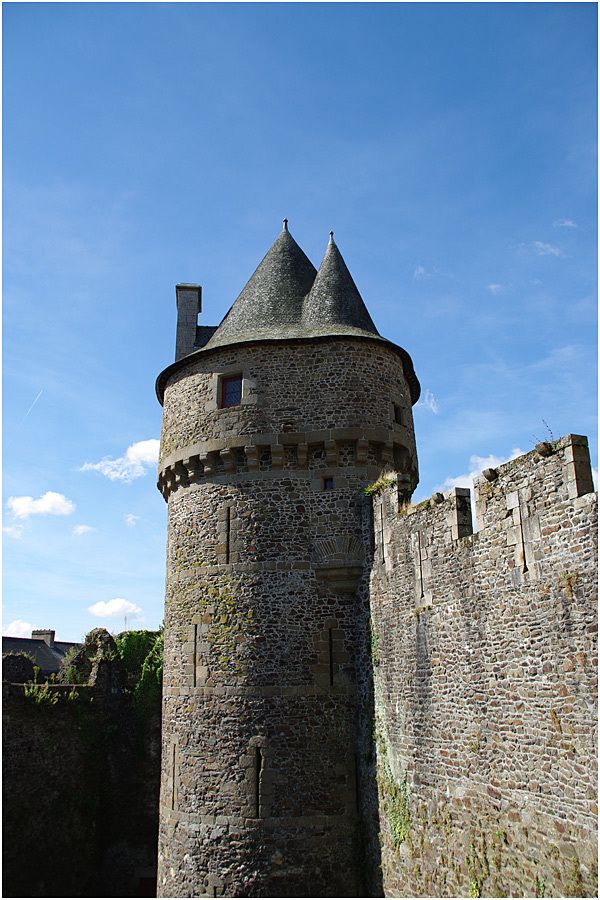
{"x": 31, "y": 407}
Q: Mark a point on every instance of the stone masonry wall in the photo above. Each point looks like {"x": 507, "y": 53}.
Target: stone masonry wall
{"x": 262, "y": 624}
{"x": 484, "y": 650}
{"x": 79, "y": 804}
{"x": 80, "y": 791}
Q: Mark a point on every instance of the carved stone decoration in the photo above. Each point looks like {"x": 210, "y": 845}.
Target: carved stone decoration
{"x": 338, "y": 560}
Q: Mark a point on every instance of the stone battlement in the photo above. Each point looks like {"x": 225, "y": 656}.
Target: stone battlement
{"x": 373, "y": 450}
{"x": 485, "y": 678}
{"x": 559, "y": 470}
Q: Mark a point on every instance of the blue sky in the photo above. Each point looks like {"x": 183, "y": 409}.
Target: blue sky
{"x": 452, "y": 148}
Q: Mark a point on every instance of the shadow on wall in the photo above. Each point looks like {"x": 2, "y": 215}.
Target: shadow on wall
{"x": 421, "y": 694}
{"x": 81, "y": 780}
{"x": 367, "y": 792}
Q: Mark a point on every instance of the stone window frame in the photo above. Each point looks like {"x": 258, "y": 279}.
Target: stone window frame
{"x": 398, "y": 414}
{"x": 225, "y": 380}
{"x": 249, "y": 388}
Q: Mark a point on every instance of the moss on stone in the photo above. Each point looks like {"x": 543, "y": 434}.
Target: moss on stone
{"x": 394, "y": 796}
{"x": 228, "y": 625}
{"x": 381, "y": 484}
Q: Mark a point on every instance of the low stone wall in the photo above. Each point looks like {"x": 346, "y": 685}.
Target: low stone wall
{"x": 484, "y": 650}
{"x": 80, "y": 793}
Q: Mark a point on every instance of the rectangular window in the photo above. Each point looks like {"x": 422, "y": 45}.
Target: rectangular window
{"x": 174, "y": 778}
{"x": 231, "y": 390}
{"x": 258, "y": 767}
{"x": 398, "y": 414}
{"x": 227, "y": 533}
{"x": 328, "y": 484}
{"x": 195, "y": 656}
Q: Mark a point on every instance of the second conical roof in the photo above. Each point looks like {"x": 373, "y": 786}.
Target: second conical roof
{"x": 334, "y": 299}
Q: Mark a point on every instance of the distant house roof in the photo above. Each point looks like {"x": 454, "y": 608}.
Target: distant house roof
{"x": 47, "y": 657}
{"x": 287, "y": 299}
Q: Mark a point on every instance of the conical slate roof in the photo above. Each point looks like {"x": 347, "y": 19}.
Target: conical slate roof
{"x": 271, "y": 302}
{"x": 334, "y": 299}
{"x": 287, "y": 299}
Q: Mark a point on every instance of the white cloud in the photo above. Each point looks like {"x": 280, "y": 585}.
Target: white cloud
{"x": 18, "y": 628}
{"x": 495, "y": 288}
{"x": 83, "y": 529}
{"x": 476, "y": 466}
{"x": 14, "y": 531}
{"x": 131, "y": 520}
{"x": 106, "y": 609}
{"x": 133, "y": 464}
{"x": 50, "y": 504}
{"x": 565, "y": 223}
{"x": 430, "y": 402}
{"x": 547, "y": 249}
{"x": 595, "y": 478}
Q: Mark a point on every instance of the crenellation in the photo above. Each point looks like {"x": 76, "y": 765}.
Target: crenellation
{"x": 578, "y": 466}
{"x": 262, "y": 456}
{"x": 536, "y": 478}
{"x": 227, "y": 457}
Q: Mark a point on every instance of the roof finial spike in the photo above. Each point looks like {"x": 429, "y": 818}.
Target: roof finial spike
{"x": 331, "y": 235}
{"x": 285, "y": 221}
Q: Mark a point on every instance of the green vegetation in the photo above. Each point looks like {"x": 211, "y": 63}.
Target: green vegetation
{"x": 474, "y": 889}
{"x": 475, "y": 745}
{"x": 41, "y": 694}
{"x": 69, "y": 673}
{"x": 478, "y": 866}
{"x": 374, "y": 645}
{"x": 395, "y": 806}
{"x": 141, "y": 653}
{"x": 148, "y": 690}
{"x": 443, "y": 819}
{"x": 574, "y": 883}
{"x": 134, "y": 647}
{"x": 394, "y": 797}
{"x": 384, "y": 482}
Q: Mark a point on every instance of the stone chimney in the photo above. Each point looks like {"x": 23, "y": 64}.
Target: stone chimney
{"x": 189, "y": 305}
{"x": 44, "y": 634}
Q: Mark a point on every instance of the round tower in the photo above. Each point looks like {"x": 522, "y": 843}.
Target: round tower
{"x": 273, "y": 424}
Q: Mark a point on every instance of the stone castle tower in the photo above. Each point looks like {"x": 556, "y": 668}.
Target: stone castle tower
{"x": 273, "y": 424}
